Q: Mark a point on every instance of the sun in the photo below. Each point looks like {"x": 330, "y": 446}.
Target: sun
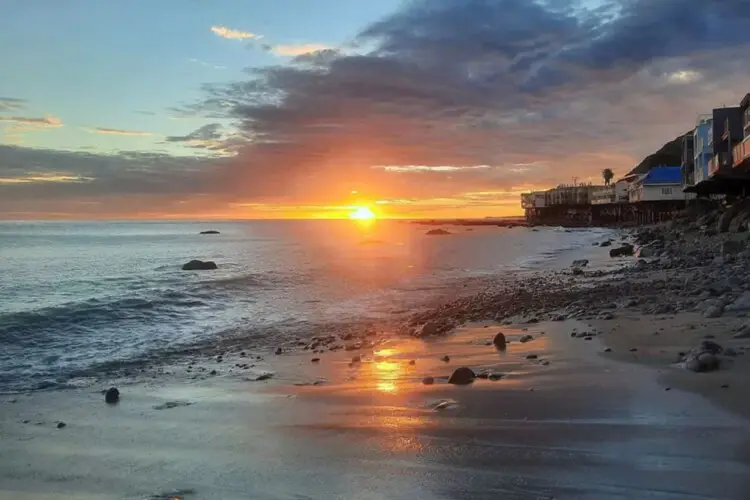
{"x": 362, "y": 213}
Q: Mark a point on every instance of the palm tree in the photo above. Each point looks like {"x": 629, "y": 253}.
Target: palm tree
{"x": 607, "y": 175}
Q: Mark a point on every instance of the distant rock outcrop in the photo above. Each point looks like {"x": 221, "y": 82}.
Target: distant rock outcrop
{"x": 200, "y": 265}
{"x": 437, "y": 232}
{"x": 212, "y": 231}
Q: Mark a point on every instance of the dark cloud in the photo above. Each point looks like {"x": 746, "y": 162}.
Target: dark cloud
{"x": 536, "y": 91}
{"x": 12, "y": 103}
{"x": 208, "y": 132}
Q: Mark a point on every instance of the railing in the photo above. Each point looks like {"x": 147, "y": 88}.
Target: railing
{"x": 741, "y": 152}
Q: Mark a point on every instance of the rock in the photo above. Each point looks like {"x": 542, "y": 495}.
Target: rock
{"x": 357, "y": 359}
{"x": 213, "y": 372}
{"x": 199, "y": 265}
{"x": 732, "y": 247}
{"x": 608, "y": 349}
{"x": 499, "y": 341}
{"x": 445, "y": 358}
{"x": 532, "y": 356}
{"x": 428, "y": 380}
{"x": 431, "y": 329}
{"x": 647, "y": 251}
{"x": 278, "y": 351}
{"x": 606, "y": 243}
{"x": 580, "y": 263}
{"x": 742, "y": 333}
{"x": 714, "y": 311}
{"x": 742, "y": 303}
{"x": 112, "y": 395}
{"x": 437, "y": 232}
{"x": 623, "y": 251}
{"x": 211, "y": 231}
{"x": 263, "y": 376}
{"x": 577, "y": 271}
{"x": 462, "y": 376}
{"x": 495, "y": 376}
{"x": 703, "y": 362}
{"x": 315, "y": 360}
{"x": 526, "y": 338}
{"x": 412, "y": 362}
{"x": 60, "y": 425}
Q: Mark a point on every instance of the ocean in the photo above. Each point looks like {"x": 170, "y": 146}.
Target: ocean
{"x": 77, "y": 295}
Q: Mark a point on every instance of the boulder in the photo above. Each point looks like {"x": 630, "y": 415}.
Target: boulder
{"x": 646, "y": 251}
{"x": 623, "y": 251}
{"x": 580, "y": 263}
{"x": 462, "y": 376}
{"x": 428, "y": 380}
{"x": 499, "y": 341}
{"x": 199, "y": 265}
{"x": 212, "y": 231}
{"x": 714, "y": 311}
{"x": 606, "y": 243}
{"x": 432, "y": 328}
{"x": 741, "y": 303}
{"x": 437, "y": 232}
{"x": 112, "y": 395}
{"x": 704, "y": 358}
{"x": 742, "y": 333}
{"x": 526, "y": 338}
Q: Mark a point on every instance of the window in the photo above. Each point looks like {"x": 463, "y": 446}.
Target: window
{"x": 666, "y": 191}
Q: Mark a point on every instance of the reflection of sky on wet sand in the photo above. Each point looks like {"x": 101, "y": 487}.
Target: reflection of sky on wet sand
{"x": 579, "y": 434}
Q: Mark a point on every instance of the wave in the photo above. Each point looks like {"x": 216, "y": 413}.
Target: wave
{"x": 33, "y": 326}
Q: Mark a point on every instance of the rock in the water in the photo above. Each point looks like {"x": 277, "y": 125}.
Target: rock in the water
{"x": 704, "y": 358}
{"x": 532, "y": 356}
{"x": 60, "y": 425}
{"x": 437, "y": 232}
{"x": 428, "y": 380}
{"x": 647, "y": 251}
{"x": 526, "y": 338}
{"x": 606, "y": 243}
{"x": 199, "y": 265}
{"x": 742, "y": 333}
{"x": 623, "y": 251}
{"x": 499, "y": 341}
{"x": 445, "y": 358}
{"x": 212, "y": 231}
{"x": 315, "y": 360}
{"x": 278, "y": 351}
{"x": 112, "y": 395}
{"x": 580, "y": 263}
{"x": 462, "y": 376}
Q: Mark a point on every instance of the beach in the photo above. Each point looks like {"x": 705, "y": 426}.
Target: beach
{"x": 600, "y": 402}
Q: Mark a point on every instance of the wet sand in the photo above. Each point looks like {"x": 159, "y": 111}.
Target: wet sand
{"x": 581, "y": 427}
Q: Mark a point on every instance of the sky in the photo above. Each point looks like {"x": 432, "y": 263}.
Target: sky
{"x": 192, "y": 109}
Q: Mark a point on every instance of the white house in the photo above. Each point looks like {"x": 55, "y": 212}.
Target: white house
{"x": 659, "y": 184}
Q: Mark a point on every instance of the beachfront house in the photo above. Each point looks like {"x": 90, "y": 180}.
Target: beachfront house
{"x": 614, "y": 193}
{"x": 702, "y": 148}
{"x": 741, "y": 151}
{"x": 725, "y": 132}
{"x": 659, "y": 184}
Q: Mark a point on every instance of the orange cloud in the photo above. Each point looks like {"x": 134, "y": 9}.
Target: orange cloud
{"x": 115, "y": 131}
{"x": 48, "y": 121}
{"x": 232, "y": 34}
{"x": 294, "y": 50}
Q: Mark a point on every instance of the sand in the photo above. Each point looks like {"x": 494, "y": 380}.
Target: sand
{"x": 583, "y": 426}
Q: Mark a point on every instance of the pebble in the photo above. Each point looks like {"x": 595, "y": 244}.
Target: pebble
{"x": 315, "y": 360}
{"x": 446, "y": 359}
{"x": 532, "y": 356}
{"x": 60, "y": 425}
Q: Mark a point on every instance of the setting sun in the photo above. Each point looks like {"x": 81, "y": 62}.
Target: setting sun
{"x": 362, "y": 213}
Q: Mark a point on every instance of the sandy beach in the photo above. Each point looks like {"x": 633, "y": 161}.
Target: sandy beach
{"x": 598, "y": 403}
{"x": 569, "y": 424}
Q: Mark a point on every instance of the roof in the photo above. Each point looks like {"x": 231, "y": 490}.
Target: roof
{"x": 746, "y": 101}
{"x": 663, "y": 175}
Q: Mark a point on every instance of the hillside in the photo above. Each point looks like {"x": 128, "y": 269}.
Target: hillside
{"x": 670, "y": 154}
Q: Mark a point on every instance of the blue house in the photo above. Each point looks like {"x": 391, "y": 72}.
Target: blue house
{"x": 702, "y": 148}
{"x": 659, "y": 184}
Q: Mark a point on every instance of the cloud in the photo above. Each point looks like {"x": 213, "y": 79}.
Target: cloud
{"x": 467, "y": 102}
{"x": 115, "y": 131}
{"x": 294, "y": 50}
{"x": 233, "y": 34}
{"x": 538, "y": 92}
{"x": 12, "y": 103}
{"x": 48, "y": 121}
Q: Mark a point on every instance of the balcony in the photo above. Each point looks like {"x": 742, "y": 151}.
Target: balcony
{"x": 720, "y": 161}
{"x": 741, "y": 153}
